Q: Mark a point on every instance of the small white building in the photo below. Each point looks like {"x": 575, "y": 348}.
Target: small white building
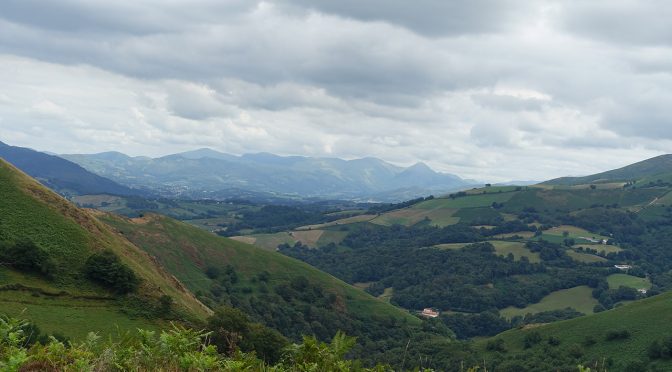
{"x": 429, "y": 313}
{"x": 623, "y": 267}
{"x": 642, "y": 291}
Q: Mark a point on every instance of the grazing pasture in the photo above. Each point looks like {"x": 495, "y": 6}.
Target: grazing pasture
{"x": 579, "y": 298}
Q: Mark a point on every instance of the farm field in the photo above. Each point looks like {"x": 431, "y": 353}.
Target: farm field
{"x": 579, "y": 298}
{"x": 600, "y": 248}
{"x": 573, "y": 232}
{"x": 492, "y": 190}
{"x": 342, "y": 221}
{"x": 412, "y": 215}
{"x": 470, "y": 201}
{"x": 522, "y": 234}
{"x": 307, "y": 237}
{"x": 452, "y": 245}
{"x": 269, "y": 242}
{"x": 503, "y": 248}
{"x": 387, "y": 294}
{"x": 311, "y": 238}
{"x": 665, "y": 199}
{"x": 584, "y": 257}
{"x": 617, "y": 280}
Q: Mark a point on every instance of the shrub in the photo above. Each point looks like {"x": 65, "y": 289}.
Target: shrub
{"x": 27, "y": 256}
{"x": 106, "y": 269}
{"x": 531, "y": 339}
{"x": 496, "y": 345}
{"x": 617, "y": 335}
{"x": 553, "y": 341}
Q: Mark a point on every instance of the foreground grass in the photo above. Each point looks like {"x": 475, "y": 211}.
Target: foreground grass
{"x": 179, "y": 349}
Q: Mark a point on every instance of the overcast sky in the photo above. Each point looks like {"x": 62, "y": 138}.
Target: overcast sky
{"x": 486, "y": 89}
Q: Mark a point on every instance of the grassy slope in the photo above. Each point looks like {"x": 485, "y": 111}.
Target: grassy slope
{"x": 617, "y": 280}
{"x": 646, "y": 320}
{"x": 579, "y": 298}
{"x": 186, "y": 251}
{"x": 70, "y": 235}
{"x": 654, "y": 166}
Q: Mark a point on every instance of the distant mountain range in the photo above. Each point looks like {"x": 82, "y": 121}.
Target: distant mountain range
{"x": 61, "y": 175}
{"x": 209, "y": 173}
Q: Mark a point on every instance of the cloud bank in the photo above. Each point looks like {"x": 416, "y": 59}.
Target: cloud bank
{"x": 493, "y": 90}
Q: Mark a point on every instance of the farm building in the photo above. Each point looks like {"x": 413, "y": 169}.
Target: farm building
{"x": 429, "y": 312}
{"x": 623, "y": 267}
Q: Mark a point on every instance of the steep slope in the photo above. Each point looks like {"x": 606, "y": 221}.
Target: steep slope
{"x": 69, "y": 236}
{"x": 204, "y": 172}
{"x": 59, "y": 174}
{"x": 269, "y": 286}
{"x": 651, "y": 167}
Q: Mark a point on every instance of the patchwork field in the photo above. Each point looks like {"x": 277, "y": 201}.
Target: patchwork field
{"x": 311, "y": 238}
{"x": 617, "y": 280}
{"x": 579, "y": 298}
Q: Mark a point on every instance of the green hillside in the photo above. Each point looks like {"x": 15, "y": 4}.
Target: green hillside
{"x": 268, "y": 285}
{"x": 48, "y": 280}
{"x": 599, "y": 337}
{"x": 649, "y": 168}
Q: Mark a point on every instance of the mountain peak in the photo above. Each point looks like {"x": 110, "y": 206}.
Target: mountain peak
{"x": 204, "y": 152}
{"x": 420, "y": 166}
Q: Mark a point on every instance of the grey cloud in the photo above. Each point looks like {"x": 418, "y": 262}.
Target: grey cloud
{"x": 433, "y": 18}
{"x": 119, "y": 17}
{"x": 620, "y": 21}
{"x": 507, "y": 103}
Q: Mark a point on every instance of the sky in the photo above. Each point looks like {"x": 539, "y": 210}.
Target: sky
{"x": 487, "y": 89}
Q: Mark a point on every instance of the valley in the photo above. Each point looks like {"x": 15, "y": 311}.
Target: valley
{"x": 489, "y": 260}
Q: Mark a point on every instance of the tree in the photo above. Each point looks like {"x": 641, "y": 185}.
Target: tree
{"x": 106, "y": 269}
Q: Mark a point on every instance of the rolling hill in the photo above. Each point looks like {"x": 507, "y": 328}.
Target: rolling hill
{"x": 49, "y": 280}
{"x": 208, "y": 173}
{"x": 595, "y": 339}
{"x": 265, "y": 281}
{"x": 61, "y": 175}
{"x": 654, "y": 167}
